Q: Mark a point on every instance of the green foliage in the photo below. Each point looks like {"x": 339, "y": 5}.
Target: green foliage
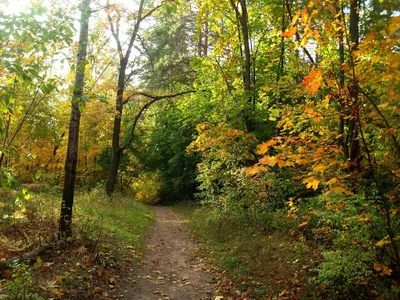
{"x": 345, "y": 269}
{"x": 171, "y": 133}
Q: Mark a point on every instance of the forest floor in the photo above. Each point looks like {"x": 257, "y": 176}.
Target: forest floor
{"x": 171, "y": 268}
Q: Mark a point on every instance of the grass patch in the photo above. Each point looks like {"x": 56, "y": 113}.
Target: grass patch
{"x": 257, "y": 262}
{"x": 121, "y": 218}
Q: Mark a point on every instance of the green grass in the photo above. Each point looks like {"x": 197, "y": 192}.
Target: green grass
{"x": 122, "y": 217}
{"x": 256, "y": 262}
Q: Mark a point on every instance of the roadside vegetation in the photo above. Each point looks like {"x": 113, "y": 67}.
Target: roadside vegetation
{"x": 108, "y": 238}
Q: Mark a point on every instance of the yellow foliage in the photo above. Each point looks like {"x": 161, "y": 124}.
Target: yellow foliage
{"x": 311, "y": 182}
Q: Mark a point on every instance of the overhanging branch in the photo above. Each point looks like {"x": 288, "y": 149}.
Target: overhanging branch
{"x": 153, "y": 100}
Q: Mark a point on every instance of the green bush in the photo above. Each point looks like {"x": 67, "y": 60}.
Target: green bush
{"x": 21, "y": 285}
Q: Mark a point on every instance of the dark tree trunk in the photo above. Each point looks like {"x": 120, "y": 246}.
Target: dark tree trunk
{"x": 354, "y": 145}
{"x": 116, "y": 151}
{"x": 124, "y": 59}
{"x": 73, "y": 136}
{"x": 113, "y": 172}
{"x": 242, "y": 17}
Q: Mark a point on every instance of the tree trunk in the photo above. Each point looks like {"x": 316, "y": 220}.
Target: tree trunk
{"x": 116, "y": 151}
{"x": 73, "y": 136}
{"x": 124, "y": 59}
{"x": 242, "y": 17}
{"x": 354, "y": 147}
{"x": 113, "y": 172}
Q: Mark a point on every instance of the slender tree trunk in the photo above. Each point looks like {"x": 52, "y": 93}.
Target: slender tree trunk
{"x": 354, "y": 145}
{"x": 73, "y": 136}
{"x": 113, "y": 172}
{"x": 242, "y": 17}
{"x": 116, "y": 151}
{"x": 124, "y": 59}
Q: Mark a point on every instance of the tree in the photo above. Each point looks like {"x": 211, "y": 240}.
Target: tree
{"x": 73, "y": 135}
{"x": 122, "y": 81}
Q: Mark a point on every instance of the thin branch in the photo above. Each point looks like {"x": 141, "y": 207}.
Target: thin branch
{"x": 297, "y": 34}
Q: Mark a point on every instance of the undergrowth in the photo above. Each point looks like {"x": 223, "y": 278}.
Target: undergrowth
{"x": 107, "y": 234}
{"x": 258, "y": 262}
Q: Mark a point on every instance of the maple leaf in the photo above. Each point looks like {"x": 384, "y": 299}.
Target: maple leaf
{"x": 311, "y": 182}
{"x": 288, "y": 34}
{"x": 269, "y": 160}
{"x": 312, "y": 81}
{"x": 263, "y": 148}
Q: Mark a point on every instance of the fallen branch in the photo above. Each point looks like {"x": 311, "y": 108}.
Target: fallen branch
{"x": 7, "y": 264}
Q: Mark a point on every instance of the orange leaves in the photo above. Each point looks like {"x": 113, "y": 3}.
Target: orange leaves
{"x": 264, "y": 147}
{"x": 304, "y": 16}
{"x": 268, "y": 160}
{"x": 288, "y": 34}
{"x": 251, "y": 171}
{"x": 382, "y": 269}
{"x": 312, "y": 81}
{"x": 313, "y": 115}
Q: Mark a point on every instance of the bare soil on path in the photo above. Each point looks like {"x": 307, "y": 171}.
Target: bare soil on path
{"x": 171, "y": 268}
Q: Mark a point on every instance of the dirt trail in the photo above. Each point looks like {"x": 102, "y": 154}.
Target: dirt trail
{"x": 171, "y": 269}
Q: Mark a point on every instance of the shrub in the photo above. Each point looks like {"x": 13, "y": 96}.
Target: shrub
{"x": 146, "y": 188}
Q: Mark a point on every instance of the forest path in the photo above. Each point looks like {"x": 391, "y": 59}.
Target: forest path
{"x": 171, "y": 269}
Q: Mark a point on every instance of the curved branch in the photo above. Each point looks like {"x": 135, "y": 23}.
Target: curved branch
{"x": 144, "y": 108}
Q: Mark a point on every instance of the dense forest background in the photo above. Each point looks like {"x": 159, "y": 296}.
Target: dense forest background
{"x": 279, "y": 115}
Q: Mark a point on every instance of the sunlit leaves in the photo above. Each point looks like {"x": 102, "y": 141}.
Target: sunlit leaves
{"x": 263, "y": 148}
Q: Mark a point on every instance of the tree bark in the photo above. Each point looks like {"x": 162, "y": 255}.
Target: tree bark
{"x": 354, "y": 144}
{"x": 73, "y": 136}
{"x": 242, "y": 18}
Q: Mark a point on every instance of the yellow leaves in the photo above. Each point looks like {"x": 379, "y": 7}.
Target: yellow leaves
{"x": 394, "y": 24}
{"x": 341, "y": 189}
{"x": 59, "y": 279}
{"x": 312, "y": 81}
{"x": 295, "y": 18}
{"x": 333, "y": 181}
{"x": 382, "y": 243}
{"x": 320, "y": 168}
{"x": 382, "y": 269}
{"x": 264, "y": 147}
{"x": 288, "y": 34}
{"x": 311, "y": 182}
{"x": 304, "y": 42}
